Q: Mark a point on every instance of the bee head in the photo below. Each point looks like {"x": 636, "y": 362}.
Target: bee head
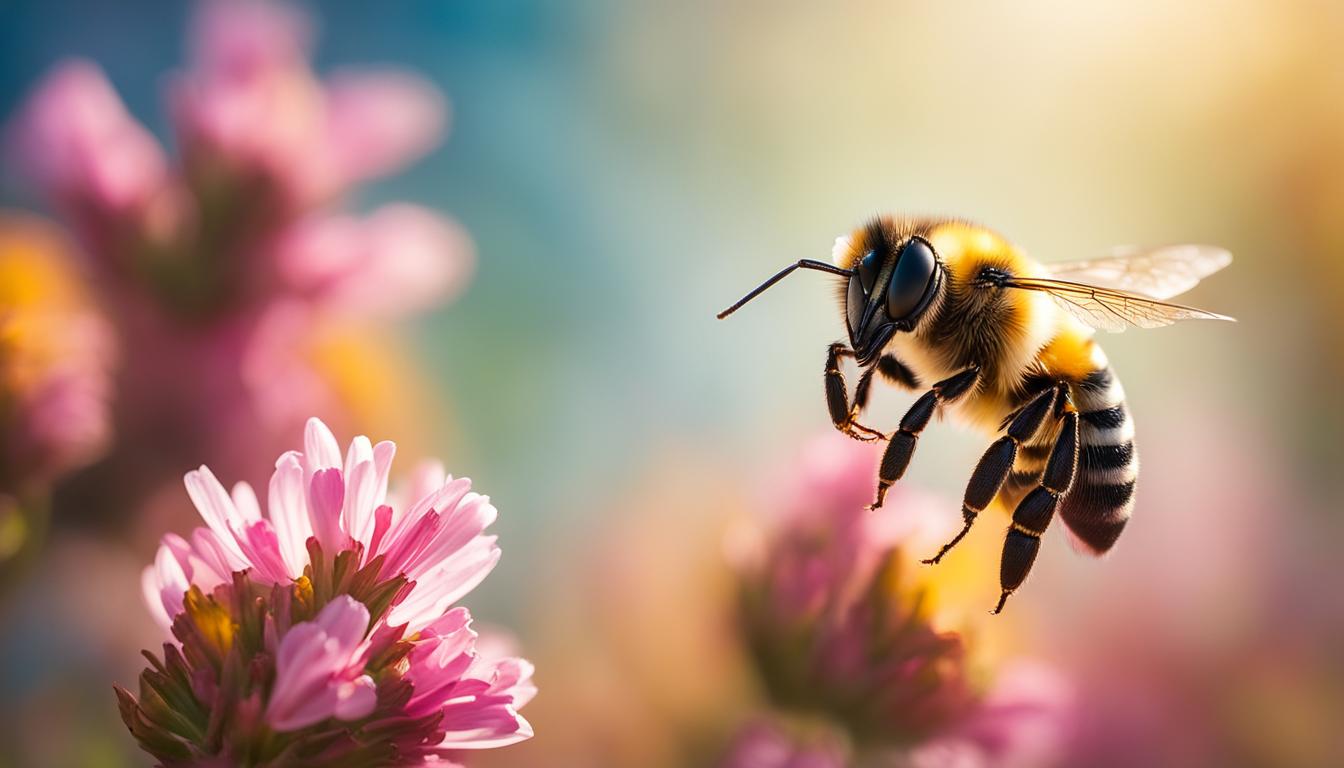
{"x": 891, "y": 287}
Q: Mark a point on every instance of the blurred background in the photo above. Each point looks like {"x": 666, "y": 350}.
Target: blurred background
{"x": 623, "y": 170}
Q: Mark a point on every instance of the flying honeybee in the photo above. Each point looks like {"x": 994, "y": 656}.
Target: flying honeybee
{"x": 1004, "y": 343}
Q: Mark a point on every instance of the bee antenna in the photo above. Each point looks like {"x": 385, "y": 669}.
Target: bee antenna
{"x": 819, "y": 266}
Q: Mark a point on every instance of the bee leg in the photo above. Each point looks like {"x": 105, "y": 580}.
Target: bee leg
{"x": 1033, "y": 514}
{"x": 896, "y": 458}
{"x": 892, "y": 370}
{"x": 837, "y": 396}
{"x": 994, "y": 466}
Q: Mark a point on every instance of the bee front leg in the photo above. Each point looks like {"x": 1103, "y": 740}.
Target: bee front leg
{"x": 843, "y": 416}
{"x": 899, "y": 451}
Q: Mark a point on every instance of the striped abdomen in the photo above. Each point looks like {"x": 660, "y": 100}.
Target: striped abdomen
{"x": 1102, "y": 498}
{"x": 1098, "y": 505}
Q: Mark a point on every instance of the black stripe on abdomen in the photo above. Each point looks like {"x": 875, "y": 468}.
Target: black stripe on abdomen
{"x": 1098, "y": 506}
{"x": 1106, "y": 418}
{"x": 1108, "y": 456}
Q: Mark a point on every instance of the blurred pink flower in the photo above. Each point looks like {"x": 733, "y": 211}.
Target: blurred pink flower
{"x": 76, "y": 141}
{"x": 252, "y": 101}
{"x": 843, "y": 626}
{"x": 56, "y": 356}
{"x": 229, "y": 269}
{"x": 388, "y": 263}
{"x": 1027, "y": 719}
{"x": 257, "y": 128}
{"x": 762, "y": 744}
{"x": 384, "y": 649}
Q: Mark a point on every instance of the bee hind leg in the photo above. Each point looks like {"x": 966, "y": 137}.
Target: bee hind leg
{"x": 901, "y": 447}
{"x": 1034, "y": 512}
{"x": 843, "y": 415}
{"x": 997, "y": 462}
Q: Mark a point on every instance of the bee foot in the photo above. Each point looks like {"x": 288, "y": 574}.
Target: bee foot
{"x": 1002, "y": 599}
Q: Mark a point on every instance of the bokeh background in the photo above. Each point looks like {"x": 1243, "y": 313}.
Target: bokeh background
{"x": 625, "y": 169}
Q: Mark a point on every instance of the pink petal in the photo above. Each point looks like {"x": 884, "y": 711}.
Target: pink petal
{"x": 382, "y": 521}
{"x": 408, "y": 529}
{"x": 152, "y": 591}
{"x": 182, "y": 551}
{"x": 398, "y": 260}
{"x": 360, "y": 450}
{"x": 289, "y": 512}
{"x": 345, "y": 620}
{"x": 457, "y": 526}
{"x": 356, "y": 698}
{"x": 320, "y": 450}
{"x": 380, "y": 121}
{"x": 263, "y": 551}
{"x": 216, "y": 508}
{"x": 239, "y": 39}
{"x": 361, "y": 487}
{"x": 212, "y": 563}
{"x": 435, "y": 591}
{"x": 483, "y": 725}
{"x": 325, "y": 496}
{"x": 245, "y": 501}
{"x": 319, "y": 669}
{"x": 165, "y": 584}
{"x": 383, "y": 453}
{"x": 75, "y": 139}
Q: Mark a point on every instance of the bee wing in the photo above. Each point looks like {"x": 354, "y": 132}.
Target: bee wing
{"x": 1108, "y": 309}
{"x": 1161, "y": 272}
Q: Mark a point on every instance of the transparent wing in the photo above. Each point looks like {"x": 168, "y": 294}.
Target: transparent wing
{"x": 1108, "y": 309}
{"x": 1161, "y": 272}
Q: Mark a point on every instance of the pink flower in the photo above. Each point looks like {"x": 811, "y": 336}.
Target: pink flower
{"x": 76, "y": 141}
{"x": 252, "y": 101}
{"x": 844, "y": 626}
{"x": 1029, "y": 717}
{"x": 348, "y": 594}
{"x": 438, "y": 543}
{"x": 229, "y": 263}
{"x": 762, "y": 744}
{"x": 56, "y": 355}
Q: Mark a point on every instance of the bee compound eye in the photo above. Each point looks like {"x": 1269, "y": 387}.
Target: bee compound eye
{"x": 911, "y": 279}
{"x": 869, "y": 266}
{"x": 855, "y": 301}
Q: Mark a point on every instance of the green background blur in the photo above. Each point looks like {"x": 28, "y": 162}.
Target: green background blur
{"x": 628, "y": 168}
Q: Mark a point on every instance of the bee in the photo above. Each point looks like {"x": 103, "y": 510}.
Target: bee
{"x": 1004, "y": 343}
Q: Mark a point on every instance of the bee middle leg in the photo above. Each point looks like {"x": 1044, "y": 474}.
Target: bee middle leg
{"x": 997, "y": 462}
{"x": 843, "y": 415}
{"x": 901, "y": 448}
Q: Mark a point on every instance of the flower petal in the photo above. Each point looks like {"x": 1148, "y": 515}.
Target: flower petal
{"x": 379, "y": 121}
{"x": 325, "y": 495}
{"x": 289, "y": 512}
{"x": 320, "y": 450}
{"x": 319, "y": 669}
{"x": 245, "y": 501}
{"x": 216, "y": 508}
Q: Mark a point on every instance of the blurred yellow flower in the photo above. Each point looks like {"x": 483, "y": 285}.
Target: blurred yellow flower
{"x": 55, "y": 356}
